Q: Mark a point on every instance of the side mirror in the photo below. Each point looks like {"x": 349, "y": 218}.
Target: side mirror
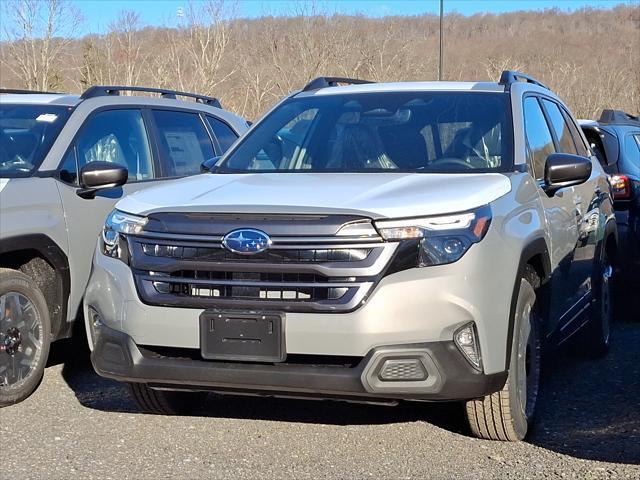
{"x": 95, "y": 176}
{"x": 565, "y": 170}
{"x": 208, "y": 164}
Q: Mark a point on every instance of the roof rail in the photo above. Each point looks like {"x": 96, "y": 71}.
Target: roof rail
{"x": 21, "y": 91}
{"x": 322, "y": 82}
{"x": 618, "y": 116}
{"x": 509, "y": 77}
{"x": 104, "y": 90}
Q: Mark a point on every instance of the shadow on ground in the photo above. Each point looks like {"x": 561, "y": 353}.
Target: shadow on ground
{"x": 587, "y": 409}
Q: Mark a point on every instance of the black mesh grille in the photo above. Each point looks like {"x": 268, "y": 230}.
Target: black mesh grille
{"x": 219, "y": 254}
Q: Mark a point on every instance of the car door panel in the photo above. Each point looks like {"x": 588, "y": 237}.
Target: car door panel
{"x": 116, "y": 135}
{"x": 583, "y": 208}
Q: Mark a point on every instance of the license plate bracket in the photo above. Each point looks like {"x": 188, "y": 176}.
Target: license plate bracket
{"x": 248, "y": 336}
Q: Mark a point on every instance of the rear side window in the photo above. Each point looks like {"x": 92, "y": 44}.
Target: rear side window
{"x": 539, "y": 140}
{"x": 223, "y": 133}
{"x": 184, "y": 142}
{"x": 632, "y": 148}
{"x": 560, "y": 127}
{"x": 117, "y": 136}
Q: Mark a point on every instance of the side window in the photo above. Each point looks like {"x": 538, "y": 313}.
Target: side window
{"x": 184, "y": 141}
{"x": 117, "y": 136}
{"x": 223, "y": 133}
{"x": 560, "y": 127}
{"x": 69, "y": 168}
{"x": 581, "y": 146}
{"x": 632, "y": 148}
{"x": 539, "y": 140}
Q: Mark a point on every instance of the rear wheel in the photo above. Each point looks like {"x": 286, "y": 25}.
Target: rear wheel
{"x": 507, "y": 415}
{"x": 24, "y": 336}
{"x": 166, "y": 402}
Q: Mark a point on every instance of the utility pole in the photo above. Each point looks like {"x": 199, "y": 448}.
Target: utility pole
{"x": 440, "y": 59}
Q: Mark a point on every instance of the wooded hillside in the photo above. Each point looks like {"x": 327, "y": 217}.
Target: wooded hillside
{"x": 591, "y": 58}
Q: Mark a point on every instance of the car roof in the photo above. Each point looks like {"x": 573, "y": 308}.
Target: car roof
{"x": 41, "y": 99}
{"x": 108, "y": 100}
{"x": 407, "y": 87}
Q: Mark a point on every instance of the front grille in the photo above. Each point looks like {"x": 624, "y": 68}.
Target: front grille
{"x": 297, "y": 273}
{"x": 273, "y": 256}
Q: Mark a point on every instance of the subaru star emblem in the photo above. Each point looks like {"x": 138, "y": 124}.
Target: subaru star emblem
{"x": 246, "y": 241}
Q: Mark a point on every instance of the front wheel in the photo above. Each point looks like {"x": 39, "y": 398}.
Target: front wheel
{"x": 507, "y": 415}
{"x": 25, "y": 332}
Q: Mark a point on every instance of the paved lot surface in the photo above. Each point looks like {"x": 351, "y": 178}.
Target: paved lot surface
{"x": 79, "y": 425}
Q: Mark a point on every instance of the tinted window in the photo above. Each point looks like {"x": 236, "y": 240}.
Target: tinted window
{"x": 581, "y": 146}
{"x": 223, "y": 133}
{"x": 117, "y": 136}
{"x": 184, "y": 140}
{"x": 400, "y": 131}
{"x": 539, "y": 140}
{"x": 69, "y": 168}
{"x": 26, "y": 134}
{"x": 632, "y": 148}
{"x": 560, "y": 127}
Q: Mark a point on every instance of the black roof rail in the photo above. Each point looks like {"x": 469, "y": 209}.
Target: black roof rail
{"x": 509, "y": 77}
{"x": 21, "y": 91}
{"x": 104, "y": 90}
{"x": 322, "y": 82}
{"x": 618, "y": 116}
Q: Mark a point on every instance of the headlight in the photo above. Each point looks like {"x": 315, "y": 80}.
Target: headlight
{"x": 117, "y": 225}
{"x": 443, "y": 239}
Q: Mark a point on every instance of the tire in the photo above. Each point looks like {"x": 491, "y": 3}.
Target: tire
{"x": 508, "y": 414}
{"x": 164, "y": 402}
{"x": 25, "y": 336}
{"x": 596, "y": 339}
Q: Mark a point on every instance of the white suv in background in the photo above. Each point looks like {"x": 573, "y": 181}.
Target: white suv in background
{"x": 65, "y": 160}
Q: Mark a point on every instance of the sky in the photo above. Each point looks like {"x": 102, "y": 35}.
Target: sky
{"x": 99, "y": 13}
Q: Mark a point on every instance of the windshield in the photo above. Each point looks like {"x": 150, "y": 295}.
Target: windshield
{"x": 430, "y": 132}
{"x": 26, "y": 134}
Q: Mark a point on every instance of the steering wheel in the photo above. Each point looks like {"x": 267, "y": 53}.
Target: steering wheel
{"x": 452, "y": 161}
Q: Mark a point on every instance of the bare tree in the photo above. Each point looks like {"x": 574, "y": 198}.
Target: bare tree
{"x": 198, "y": 47}
{"x": 39, "y": 33}
{"x": 130, "y": 58}
{"x": 588, "y": 57}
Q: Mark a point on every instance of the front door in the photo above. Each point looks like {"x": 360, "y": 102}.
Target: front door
{"x": 118, "y": 136}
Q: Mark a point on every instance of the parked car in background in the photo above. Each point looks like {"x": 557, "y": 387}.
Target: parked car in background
{"x": 369, "y": 242}
{"x": 615, "y": 138}
{"x": 65, "y": 160}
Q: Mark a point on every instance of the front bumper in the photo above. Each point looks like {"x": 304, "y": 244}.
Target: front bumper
{"x": 448, "y": 376}
{"x": 415, "y": 306}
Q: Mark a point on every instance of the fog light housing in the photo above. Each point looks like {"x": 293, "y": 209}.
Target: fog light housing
{"x": 95, "y": 324}
{"x": 466, "y": 339}
{"x": 402, "y": 370}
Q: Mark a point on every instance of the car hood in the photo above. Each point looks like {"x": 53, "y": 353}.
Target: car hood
{"x": 375, "y": 195}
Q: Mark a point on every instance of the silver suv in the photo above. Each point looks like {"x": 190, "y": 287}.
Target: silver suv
{"x": 368, "y": 242}
{"x": 64, "y": 162}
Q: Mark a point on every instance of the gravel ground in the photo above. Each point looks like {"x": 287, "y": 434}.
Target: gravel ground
{"x": 80, "y": 425}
